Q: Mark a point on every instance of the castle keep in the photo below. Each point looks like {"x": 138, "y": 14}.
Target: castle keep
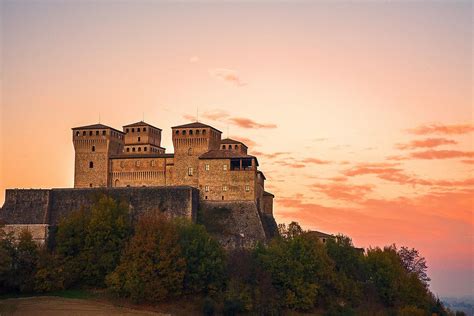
{"x": 220, "y": 168}
{"x": 210, "y": 180}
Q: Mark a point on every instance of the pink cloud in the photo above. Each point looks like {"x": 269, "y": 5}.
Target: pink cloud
{"x": 442, "y": 154}
{"x": 426, "y": 143}
{"x": 248, "y": 123}
{"x": 315, "y": 161}
{"x": 438, "y": 128}
{"x": 228, "y": 75}
{"x": 215, "y": 115}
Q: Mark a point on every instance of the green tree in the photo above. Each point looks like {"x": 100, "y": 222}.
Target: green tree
{"x": 26, "y": 261}
{"x": 204, "y": 257}
{"x": 7, "y": 256}
{"x": 152, "y": 267}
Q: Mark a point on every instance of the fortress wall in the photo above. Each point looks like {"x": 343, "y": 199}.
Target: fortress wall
{"x": 48, "y": 206}
{"x": 235, "y": 224}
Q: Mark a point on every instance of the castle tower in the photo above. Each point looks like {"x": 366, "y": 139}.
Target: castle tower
{"x": 142, "y": 138}
{"x": 93, "y": 145}
{"x": 191, "y": 141}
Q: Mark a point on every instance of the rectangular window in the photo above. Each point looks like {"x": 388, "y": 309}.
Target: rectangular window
{"x": 207, "y": 167}
{"x": 206, "y": 188}
{"x": 225, "y": 167}
{"x": 190, "y": 171}
{"x": 224, "y": 188}
{"x": 247, "y": 188}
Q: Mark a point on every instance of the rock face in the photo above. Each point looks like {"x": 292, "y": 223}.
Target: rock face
{"x": 235, "y": 224}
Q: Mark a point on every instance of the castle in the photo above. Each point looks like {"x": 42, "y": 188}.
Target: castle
{"x": 209, "y": 180}
{"x": 220, "y": 168}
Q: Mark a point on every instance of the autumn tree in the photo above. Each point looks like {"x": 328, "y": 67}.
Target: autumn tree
{"x": 414, "y": 263}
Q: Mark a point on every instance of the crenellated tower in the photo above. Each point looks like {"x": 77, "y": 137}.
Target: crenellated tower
{"x": 191, "y": 141}
{"x": 93, "y": 145}
{"x": 142, "y": 138}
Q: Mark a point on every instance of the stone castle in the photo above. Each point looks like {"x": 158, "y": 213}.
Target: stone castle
{"x": 208, "y": 179}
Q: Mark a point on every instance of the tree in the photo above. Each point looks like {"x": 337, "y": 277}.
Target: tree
{"x": 7, "y": 255}
{"x": 414, "y": 263}
{"x": 152, "y": 267}
{"x": 26, "y": 261}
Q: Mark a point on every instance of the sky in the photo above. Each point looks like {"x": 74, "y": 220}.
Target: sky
{"x": 359, "y": 112}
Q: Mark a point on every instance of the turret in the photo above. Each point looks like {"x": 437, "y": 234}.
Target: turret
{"x": 93, "y": 145}
{"x": 142, "y": 138}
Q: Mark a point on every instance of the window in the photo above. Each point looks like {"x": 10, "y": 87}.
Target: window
{"x": 190, "y": 171}
{"x": 128, "y": 149}
{"x": 144, "y": 129}
{"x": 183, "y": 132}
{"x": 90, "y": 185}
{"x": 138, "y": 138}
{"x": 138, "y": 129}
{"x": 144, "y": 149}
{"x": 127, "y": 130}
{"x": 93, "y": 148}
{"x": 133, "y": 130}
{"x": 247, "y": 188}
{"x": 224, "y": 167}
{"x": 91, "y": 164}
{"x": 84, "y": 133}
{"x": 190, "y": 132}
{"x": 224, "y": 188}
{"x": 207, "y": 167}
{"x": 223, "y": 146}
{"x": 139, "y": 149}
{"x": 77, "y": 133}
{"x": 90, "y": 133}
{"x": 197, "y": 132}
{"x": 97, "y": 133}
{"x": 204, "y": 132}
{"x": 206, "y": 197}
{"x": 177, "y": 132}
{"x": 235, "y": 147}
{"x": 133, "y": 149}
{"x": 104, "y": 132}
{"x": 206, "y": 188}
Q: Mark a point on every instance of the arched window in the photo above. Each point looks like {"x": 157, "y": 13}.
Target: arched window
{"x": 90, "y": 133}
{"x": 144, "y": 149}
{"x": 91, "y": 164}
{"x": 139, "y": 149}
{"x": 204, "y": 132}
{"x": 97, "y": 133}
{"x": 133, "y": 149}
{"x": 138, "y": 129}
{"x": 177, "y": 132}
{"x": 133, "y": 130}
{"x": 144, "y": 129}
{"x": 84, "y": 133}
{"x": 93, "y": 148}
{"x": 117, "y": 182}
{"x": 223, "y": 146}
{"x": 138, "y": 138}
{"x": 77, "y": 133}
{"x": 184, "y": 132}
{"x": 128, "y": 149}
{"x": 104, "y": 132}
{"x": 236, "y": 146}
{"x": 190, "y": 132}
{"x": 127, "y": 130}
{"x": 197, "y": 132}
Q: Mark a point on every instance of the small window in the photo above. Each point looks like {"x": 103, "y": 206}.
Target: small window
{"x": 207, "y": 167}
{"x": 138, "y": 138}
{"x": 204, "y": 132}
{"x": 206, "y": 197}
{"x": 90, "y": 133}
{"x": 133, "y": 149}
{"x": 190, "y": 171}
{"x": 222, "y": 198}
{"x": 128, "y": 149}
{"x": 127, "y": 130}
{"x": 177, "y": 132}
{"x": 91, "y": 164}
{"x": 224, "y": 188}
{"x": 104, "y": 132}
{"x": 235, "y": 147}
{"x": 190, "y": 132}
{"x": 77, "y": 133}
{"x": 138, "y": 129}
{"x": 97, "y": 133}
{"x": 144, "y": 149}
{"x": 144, "y": 129}
{"x": 223, "y": 146}
{"x": 139, "y": 149}
{"x": 133, "y": 130}
{"x": 206, "y": 188}
{"x": 247, "y": 188}
{"x": 84, "y": 133}
{"x": 90, "y": 185}
{"x": 93, "y": 148}
{"x": 224, "y": 167}
{"x": 197, "y": 132}
{"x": 183, "y": 132}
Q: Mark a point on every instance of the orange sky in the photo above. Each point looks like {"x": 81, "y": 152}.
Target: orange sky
{"x": 360, "y": 113}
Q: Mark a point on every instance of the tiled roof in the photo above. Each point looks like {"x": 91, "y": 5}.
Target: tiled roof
{"x": 96, "y": 126}
{"x": 231, "y": 141}
{"x": 141, "y": 123}
{"x": 196, "y": 125}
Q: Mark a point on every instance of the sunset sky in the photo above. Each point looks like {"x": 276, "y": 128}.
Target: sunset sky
{"x": 360, "y": 113}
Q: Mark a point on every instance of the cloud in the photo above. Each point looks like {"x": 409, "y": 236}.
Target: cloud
{"x": 438, "y": 128}
{"x": 315, "y": 161}
{"x": 426, "y": 143}
{"x": 248, "y": 123}
{"x": 342, "y": 191}
{"x": 396, "y": 158}
{"x": 215, "y": 115}
{"x": 442, "y": 154}
{"x": 371, "y": 168}
{"x": 468, "y": 161}
{"x": 189, "y": 117}
{"x": 193, "y": 59}
{"x": 294, "y": 165}
{"x": 247, "y": 141}
{"x": 228, "y": 75}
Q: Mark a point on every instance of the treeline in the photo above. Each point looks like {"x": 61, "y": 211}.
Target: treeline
{"x": 154, "y": 259}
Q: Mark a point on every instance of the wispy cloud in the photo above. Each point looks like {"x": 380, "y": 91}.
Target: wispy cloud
{"x": 468, "y": 161}
{"x": 438, "y": 128}
{"x": 442, "y": 154}
{"x": 316, "y": 161}
{"x": 247, "y": 141}
{"x": 248, "y": 123}
{"x": 343, "y": 191}
{"x": 228, "y": 75}
{"x": 426, "y": 143}
{"x": 215, "y": 115}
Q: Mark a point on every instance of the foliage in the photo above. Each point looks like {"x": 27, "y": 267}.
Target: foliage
{"x": 26, "y": 262}
{"x": 7, "y": 256}
{"x": 414, "y": 263}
